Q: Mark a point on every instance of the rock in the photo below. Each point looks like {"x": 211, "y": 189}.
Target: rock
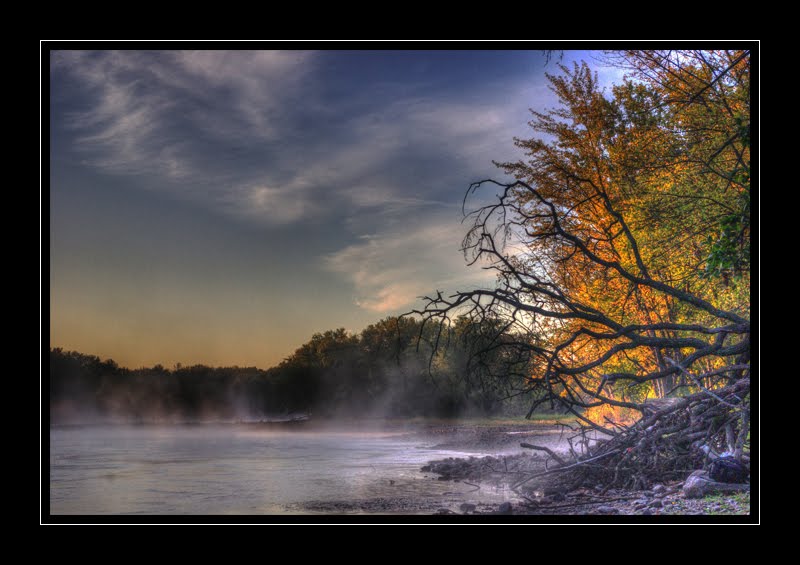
{"x": 728, "y": 470}
{"x": 659, "y": 488}
{"x": 648, "y": 512}
{"x": 697, "y": 485}
{"x": 444, "y": 512}
{"x": 559, "y": 497}
{"x": 656, "y": 504}
{"x": 700, "y": 484}
{"x": 505, "y": 508}
{"x": 467, "y": 508}
{"x": 606, "y": 510}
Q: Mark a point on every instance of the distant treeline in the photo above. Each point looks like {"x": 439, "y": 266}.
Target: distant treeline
{"x": 386, "y": 370}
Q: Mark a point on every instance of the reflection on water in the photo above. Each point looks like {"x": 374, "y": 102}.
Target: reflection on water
{"x": 230, "y": 469}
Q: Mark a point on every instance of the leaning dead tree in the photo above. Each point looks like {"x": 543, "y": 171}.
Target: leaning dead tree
{"x": 602, "y": 307}
{"x": 711, "y": 358}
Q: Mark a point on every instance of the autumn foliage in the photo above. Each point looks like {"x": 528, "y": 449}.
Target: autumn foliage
{"x": 622, "y": 253}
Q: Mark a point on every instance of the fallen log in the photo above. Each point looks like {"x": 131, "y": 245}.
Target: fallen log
{"x": 547, "y": 450}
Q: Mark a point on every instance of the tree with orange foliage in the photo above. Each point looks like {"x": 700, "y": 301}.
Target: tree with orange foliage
{"x": 622, "y": 254}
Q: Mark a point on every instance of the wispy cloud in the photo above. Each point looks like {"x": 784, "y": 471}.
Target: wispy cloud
{"x": 253, "y": 135}
{"x": 188, "y": 122}
{"x": 391, "y": 270}
{"x": 245, "y": 132}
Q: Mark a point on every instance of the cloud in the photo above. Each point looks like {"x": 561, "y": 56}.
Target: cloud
{"x": 186, "y": 123}
{"x": 253, "y": 135}
{"x": 259, "y": 84}
{"x": 282, "y": 204}
{"x": 391, "y": 270}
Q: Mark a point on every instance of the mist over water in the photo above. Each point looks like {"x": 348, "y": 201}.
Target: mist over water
{"x": 205, "y": 440}
{"x": 247, "y": 469}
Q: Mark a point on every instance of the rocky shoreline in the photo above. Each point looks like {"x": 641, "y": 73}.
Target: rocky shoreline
{"x": 499, "y": 462}
{"x": 535, "y": 499}
{"x": 513, "y": 464}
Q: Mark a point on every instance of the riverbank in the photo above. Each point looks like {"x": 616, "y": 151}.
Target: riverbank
{"x": 331, "y": 468}
{"x": 511, "y": 464}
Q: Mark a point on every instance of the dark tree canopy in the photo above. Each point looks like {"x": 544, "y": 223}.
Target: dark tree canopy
{"x": 381, "y": 372}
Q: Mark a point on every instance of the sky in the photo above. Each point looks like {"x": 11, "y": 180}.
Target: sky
{"x": 220, "y": 207}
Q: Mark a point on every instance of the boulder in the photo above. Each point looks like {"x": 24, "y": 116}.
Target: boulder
{"x": 505, "y": 508}
{"x": 728, "y": 470}
{"x": 699, "y": 484}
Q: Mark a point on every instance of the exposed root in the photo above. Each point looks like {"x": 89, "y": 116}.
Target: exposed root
{"x": 664, "y": 445}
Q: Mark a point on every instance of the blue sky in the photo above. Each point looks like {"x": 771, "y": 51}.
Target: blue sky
{"x": 220, "y": 207}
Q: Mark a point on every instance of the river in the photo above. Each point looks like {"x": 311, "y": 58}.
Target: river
{"x": 249, "y": 469}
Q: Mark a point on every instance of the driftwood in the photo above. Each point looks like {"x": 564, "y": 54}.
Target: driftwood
{"x": 561, "y": 469}
{"x": 654, "y": 405}
{"x": 667, "y": 443}
{"x": 547, "y": 450}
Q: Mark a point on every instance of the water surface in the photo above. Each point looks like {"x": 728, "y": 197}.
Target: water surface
{"x": 247, "y": 469}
